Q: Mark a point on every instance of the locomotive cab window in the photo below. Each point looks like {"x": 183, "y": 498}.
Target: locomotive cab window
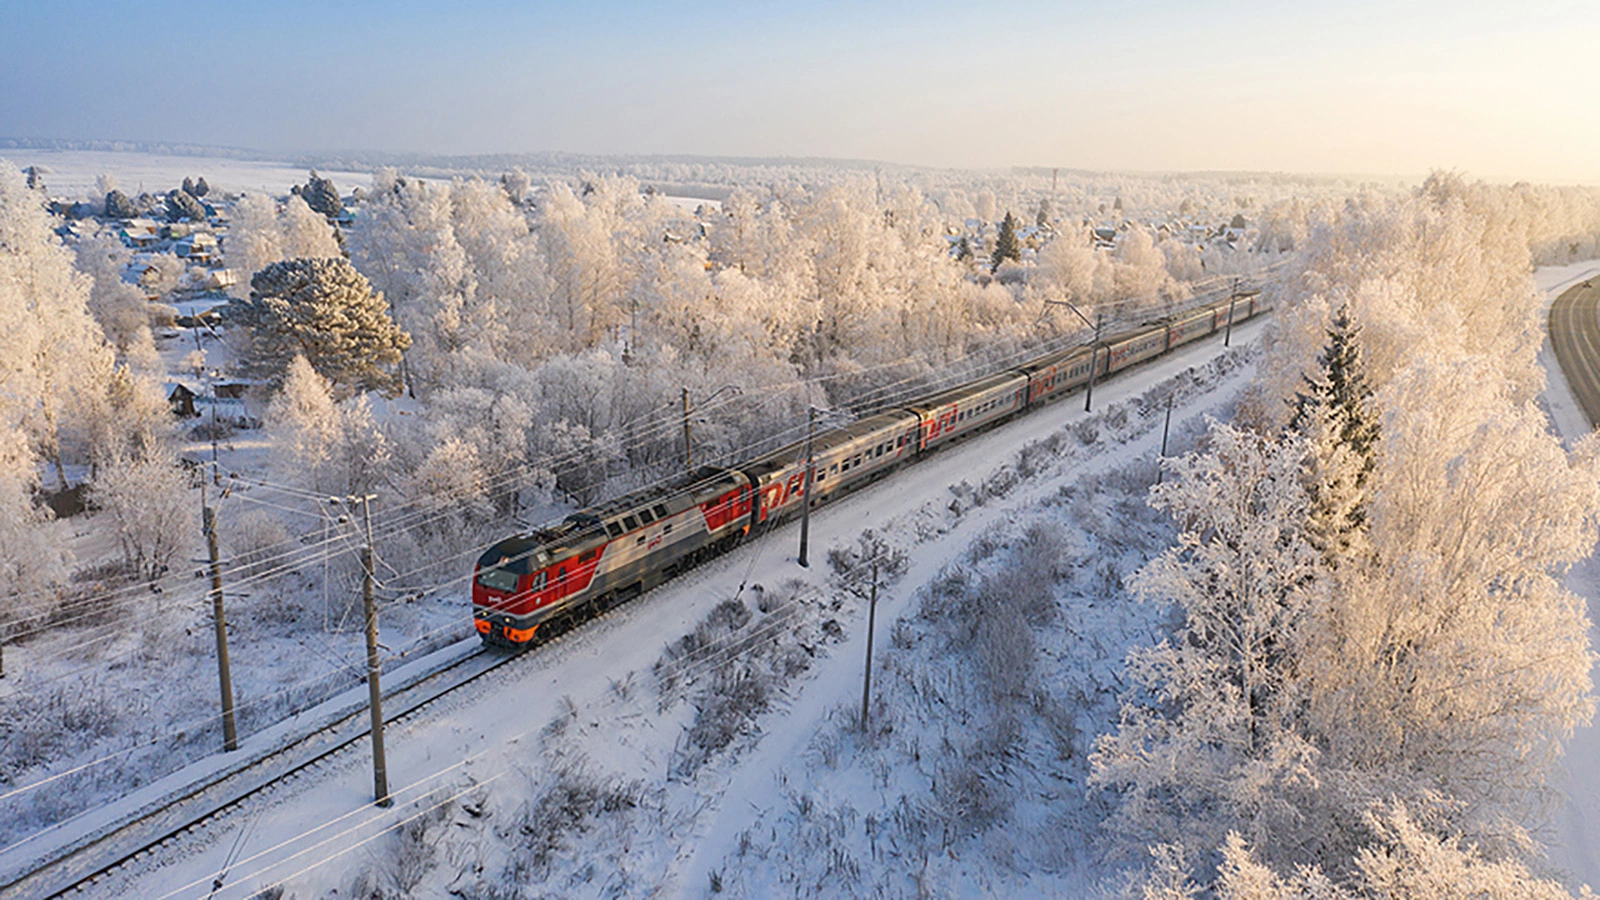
{"x": 661, "y": 511}
{"x": 646, "y": 517}
{"x": 613, "y": 529}
{"x": 498, "y": 579}
{"x": 630, "y": 523}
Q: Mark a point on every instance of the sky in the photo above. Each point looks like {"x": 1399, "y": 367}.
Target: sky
{"x": 1504, "y": 90}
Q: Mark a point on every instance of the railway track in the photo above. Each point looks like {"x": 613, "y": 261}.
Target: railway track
{"x": 76, "y": 868}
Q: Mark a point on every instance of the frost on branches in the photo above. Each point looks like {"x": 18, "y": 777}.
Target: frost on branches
{"x": 326, "y": 311}
{"x": 1219, "y": 741}
{"x": 1386, "y": 710}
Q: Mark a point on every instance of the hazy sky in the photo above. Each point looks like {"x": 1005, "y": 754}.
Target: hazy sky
{"x": 1509, "y": 89}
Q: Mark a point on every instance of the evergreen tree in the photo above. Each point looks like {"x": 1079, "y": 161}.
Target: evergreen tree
{"x": 35, "y": 178}
{"x": 1335, "y": 413}
{"x": 188, "y": 186}
{"x": 118, "y": 206}
{"x": 200, "y": 187}
{"x": 326, "y": 311}
{"x": 964, "y": 249}
{"x": 1042, "y": 219}
{"x": 320, "y": 194}
{"x": 1005, "y": 244}
{"x": 183, "y": 205}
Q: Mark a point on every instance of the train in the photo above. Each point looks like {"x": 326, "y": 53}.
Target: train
{"x": 540, "y": 582}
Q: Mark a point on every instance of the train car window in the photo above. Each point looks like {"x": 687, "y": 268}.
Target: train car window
{"x": 646, "y": 516}
{"x": 667, "y": 528}
{"x": 630, "y": 523}
{"x": 561, "y": 574}
{"x": 638, "y": 540}
{"x": 661, "y": 511}
{"x": 613, "y": 529}
{"x": 835, "y": 469}
{"x": 539, "y": 581}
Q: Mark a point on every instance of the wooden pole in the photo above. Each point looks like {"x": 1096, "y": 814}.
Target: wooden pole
{"x": 872, "y": 615}
{"x": 380, "y": 768}
{"x": 208, "y": 517}
{"x": 805, "y": 498}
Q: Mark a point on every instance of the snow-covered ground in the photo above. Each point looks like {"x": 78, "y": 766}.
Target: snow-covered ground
{"x": 72, "y": 173}
{"x": 587, "y": 766}
{"x": 1575, "y": 846}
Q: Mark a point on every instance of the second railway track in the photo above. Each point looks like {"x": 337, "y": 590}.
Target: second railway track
{"x": 80, "y": 863}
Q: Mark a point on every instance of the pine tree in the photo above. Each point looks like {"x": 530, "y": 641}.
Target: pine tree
{"x": 1042, "y": 219}
{"x": 327, "y": 311}
{"x": 188, "y": 186}
{"x": 118, "y": 206}
{"x": 320, "y": 194}
{"x": 200, "y": 187}
{"x": 183, "y": 205}
{"x": 1336, "y": 416}
{"x": 1005, "y": 244}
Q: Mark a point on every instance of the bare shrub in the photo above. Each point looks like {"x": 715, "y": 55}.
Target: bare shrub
{"x": 253, "y": 538}
{"x": 567, "y": 807}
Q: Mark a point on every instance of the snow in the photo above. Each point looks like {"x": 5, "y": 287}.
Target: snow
{"x": 1575, "y": 847}
{"x": 582, "y": 702}
{"x": 72, "y": 173}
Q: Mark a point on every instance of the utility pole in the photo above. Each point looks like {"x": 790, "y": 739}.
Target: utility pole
{"x": 208, "y": 519}
{"x": 872, "y": 615}
{"x": 1227, "y": 337}
{"x": 805, "y": 499}
{"x": 1094, "y": 351}
{"x": 380, "y": 768}
{"x": 688, "y": 455}
{"x": 1165, "y": 427}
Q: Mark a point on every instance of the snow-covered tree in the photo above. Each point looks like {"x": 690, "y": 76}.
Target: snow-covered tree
{"x": 48, "y": 341}
{"x": 182, "y": 205}
{"x": 1218, "y": 741}
{"x": 147, "y": 498}
{"x": 324, "y": 310}
{"x": 1336, "y": 415}
{"x": 118, "y": 206}
{"x": 320, "y": 195}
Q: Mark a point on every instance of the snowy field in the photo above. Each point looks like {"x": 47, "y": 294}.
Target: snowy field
{"x": 607, "y": 745}
{"x": 72, "y": 173}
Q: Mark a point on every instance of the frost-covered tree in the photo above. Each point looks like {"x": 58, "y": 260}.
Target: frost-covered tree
{"x": 305, "y": 423}
{"x": 118, "y": 206}
{"x": 1336, "y": 414}
{"x": 182, "y": 205}
{"x": 320, "y": 194}
{"x": 306, "y": 234}
{"x": 119, "y": 307}
{"x": 48, "y": 341}
{"x": 1217, "y": 741}
{"x": 147, "y": 499}
{"x": 324, "y": 310}
{"x": 200, "y": 188}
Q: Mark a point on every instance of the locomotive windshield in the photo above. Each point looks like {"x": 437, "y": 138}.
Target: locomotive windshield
{"x": 498, "y": 579}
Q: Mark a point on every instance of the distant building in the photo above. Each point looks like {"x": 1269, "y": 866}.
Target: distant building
{"x": 138, "y": 233}
{"x": 181, "y": 399}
